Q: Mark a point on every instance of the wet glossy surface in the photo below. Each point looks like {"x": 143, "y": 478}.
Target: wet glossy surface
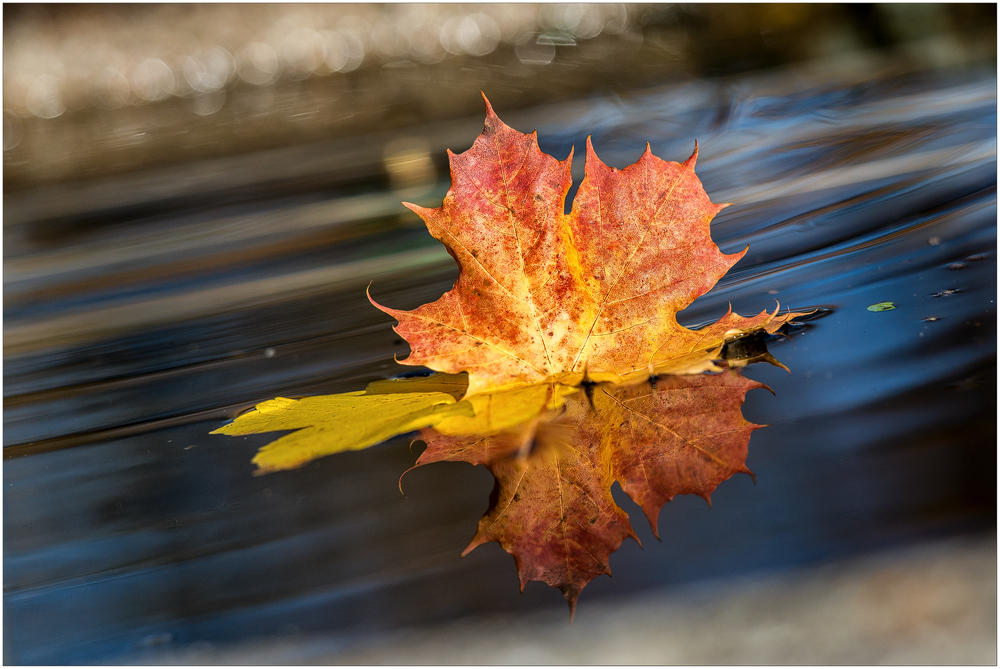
{"x": 131, "y": 332}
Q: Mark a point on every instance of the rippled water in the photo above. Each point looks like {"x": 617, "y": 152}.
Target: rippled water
{"x": 143, "y": 312}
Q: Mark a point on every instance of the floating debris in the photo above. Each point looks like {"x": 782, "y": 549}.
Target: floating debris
{"x": 931, "y": 319}
{"x": 950, "y": 291}
{"x": 957, "y": 265}
{"x": 882, "y": 306}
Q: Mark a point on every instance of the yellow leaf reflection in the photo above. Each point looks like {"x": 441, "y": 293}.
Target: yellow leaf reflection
{"x": 331, "y": 424}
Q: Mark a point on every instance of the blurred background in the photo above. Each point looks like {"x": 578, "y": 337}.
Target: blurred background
{"x": 195, "y": 197}
{"x": 95, "y": 90}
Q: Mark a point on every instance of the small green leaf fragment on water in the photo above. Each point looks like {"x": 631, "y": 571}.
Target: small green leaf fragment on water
{"x": 882, "y": 306}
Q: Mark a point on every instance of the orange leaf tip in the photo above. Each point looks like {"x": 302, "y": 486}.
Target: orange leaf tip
{"x": 690, "y": 162}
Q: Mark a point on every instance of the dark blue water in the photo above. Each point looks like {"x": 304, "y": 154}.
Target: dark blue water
{"x": 130, "y": 334}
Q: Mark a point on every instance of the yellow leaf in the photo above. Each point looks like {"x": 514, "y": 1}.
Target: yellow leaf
{"x": 330, "y": 424}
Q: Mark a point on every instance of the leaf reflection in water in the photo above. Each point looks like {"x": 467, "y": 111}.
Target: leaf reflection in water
{"x": 554, "y": 450}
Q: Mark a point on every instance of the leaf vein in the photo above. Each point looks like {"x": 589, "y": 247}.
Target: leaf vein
{"x": 686, "y": 442}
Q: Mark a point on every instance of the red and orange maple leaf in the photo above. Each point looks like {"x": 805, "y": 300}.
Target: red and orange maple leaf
{"x": 544, "y": 295}
{"x": 581, "y": 299}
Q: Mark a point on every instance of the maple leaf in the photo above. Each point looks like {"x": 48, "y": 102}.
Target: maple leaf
{"x": 542, "y": 295}
{"x": 574, "y": 300}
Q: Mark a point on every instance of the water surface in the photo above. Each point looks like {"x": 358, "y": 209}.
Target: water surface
{"x": 141, "y": 314}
